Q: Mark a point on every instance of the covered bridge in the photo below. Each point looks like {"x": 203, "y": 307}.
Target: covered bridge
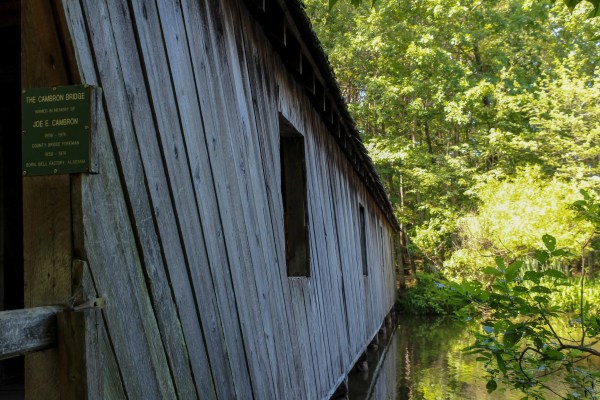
{"x": 229, "y": 237}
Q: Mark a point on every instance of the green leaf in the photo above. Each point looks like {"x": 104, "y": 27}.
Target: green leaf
{"x": 541, "y": 255}
{"x": 491, "y": 386}
{"x": 554, "y": 354}
{"x": 549, "y": 242}
{"x": 332, "y": 3}
{"x": 586, "y": 195}
{"x": 491, "y": 271}
{"x": 572, "y": 3}
{"x": 511, "y": 338}
{"x": 532, "y": 276}
{"x": 540, "y": 289}
{"x": 559, "y": 253}
{"x": 500, "y": 263}
{"x": 596, "y": 10}
{"x": 501, "y": 363}
{"x": 554, "y": 273}
{"x": 513, "y": 270}
{"x": 500, "y": 287}
{"x": 540, "y": 299}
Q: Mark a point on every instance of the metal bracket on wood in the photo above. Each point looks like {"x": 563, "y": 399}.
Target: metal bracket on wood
{"x": 97, "y": 304}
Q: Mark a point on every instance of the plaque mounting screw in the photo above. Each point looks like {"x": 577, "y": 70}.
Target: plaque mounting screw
{"x": 54, "y": 88}
{"x": 23, "y": 91}
{"x": 55, "y": 171}
{"x": 24, "y": 173}
{"x": 23, "y": 131}
{"x": 86, "y": 127}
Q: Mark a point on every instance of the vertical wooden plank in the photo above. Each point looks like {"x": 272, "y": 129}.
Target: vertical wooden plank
{"x": 94, "y": 370}
{"x": 268, "y": 134}
{"x": 110, "y": 382}
{"x": 339, "y": 314}
{"x": 178, "y": 52}
{"x": 46, "y": 201}
{"x": 115, "y": 264}
{"x": 260, "y": 64}
{"x": 323, "y": 284}
{"x": 163, "y": 107}
{"x": 262, "y": 116}
{"x": 145, "y": 223}
{"x": 128, "y": 307}
{"x": 299, "y": 321}
{"x": 225, "y": 131}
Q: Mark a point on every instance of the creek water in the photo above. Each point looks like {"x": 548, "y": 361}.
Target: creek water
{"x": 423, "y": 359}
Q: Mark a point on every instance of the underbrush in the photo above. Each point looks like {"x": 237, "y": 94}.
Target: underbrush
{"x": 431, "y": 294}
{"x": 568, "y": 297}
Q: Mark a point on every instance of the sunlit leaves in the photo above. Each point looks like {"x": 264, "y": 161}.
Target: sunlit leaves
{"x": 511, "y": 218}
{"x": 452, "y": 97}
{"x": 595, "y": 3}
{"x": 519, "y": 340}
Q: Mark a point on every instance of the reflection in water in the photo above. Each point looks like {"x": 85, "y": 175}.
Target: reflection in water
{"x": 431, "y": 365}
{"x": 380, "y": 380}
{"x": 423, "y": 360}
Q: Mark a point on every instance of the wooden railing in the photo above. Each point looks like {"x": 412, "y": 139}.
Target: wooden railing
{"x": 27, "y": 330}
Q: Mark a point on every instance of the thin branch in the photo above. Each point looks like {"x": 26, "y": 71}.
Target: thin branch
{"x": 582, "y": 348}
{"x": 525, "y": 350}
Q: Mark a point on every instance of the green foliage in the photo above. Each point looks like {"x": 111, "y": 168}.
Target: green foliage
{"x": 519, "y": 340}
{"x": 569, "y": 298}
{"x": 431, "y": 295}
{"x": 573, "y": 3}
{"x": 452, "y": 95}
{"x": 512, "y": 217}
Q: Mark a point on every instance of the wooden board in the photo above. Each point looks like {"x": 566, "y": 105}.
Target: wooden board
{"x": 46, "y": 200}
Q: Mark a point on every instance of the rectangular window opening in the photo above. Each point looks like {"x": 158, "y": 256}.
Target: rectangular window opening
{"x": 363, "y": 240}
{"x": 294, "y": 195}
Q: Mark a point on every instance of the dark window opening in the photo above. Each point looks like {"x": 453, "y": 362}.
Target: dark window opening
{"x": 294, "y": 195}
{"x": 381, "y": 244}
{"x": 363, "y": 240}
{"x": 11, "y": 199}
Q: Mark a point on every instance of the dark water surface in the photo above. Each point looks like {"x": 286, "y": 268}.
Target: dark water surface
{"x": 423, "y": 360}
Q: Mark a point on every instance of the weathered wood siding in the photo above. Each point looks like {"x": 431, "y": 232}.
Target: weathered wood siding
{"x": 183, "y": 224}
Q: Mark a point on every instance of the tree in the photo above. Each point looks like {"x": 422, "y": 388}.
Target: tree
{"x": 512, "y": 217}
{"x": 449, "y": 95}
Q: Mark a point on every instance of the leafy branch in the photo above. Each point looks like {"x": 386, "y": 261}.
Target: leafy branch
{"x": 519, "y": 342}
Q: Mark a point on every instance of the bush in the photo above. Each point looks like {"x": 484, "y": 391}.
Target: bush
{"x": 568, "y": 298}
{"x": 431, "y": 295}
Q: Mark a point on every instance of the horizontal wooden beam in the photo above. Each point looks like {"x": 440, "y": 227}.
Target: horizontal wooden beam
{"x": 27, "y": 330}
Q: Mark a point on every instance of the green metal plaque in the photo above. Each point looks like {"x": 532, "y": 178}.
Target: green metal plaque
{"x": 56, "y": 130}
